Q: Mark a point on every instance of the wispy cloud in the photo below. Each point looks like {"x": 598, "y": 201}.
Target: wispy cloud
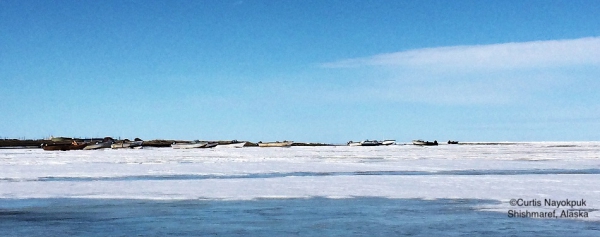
{"x": 510, "y": 73}
{"x": 496, "y": 56}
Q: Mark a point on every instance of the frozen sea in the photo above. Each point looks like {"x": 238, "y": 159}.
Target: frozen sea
{"x": 403, "y": 190}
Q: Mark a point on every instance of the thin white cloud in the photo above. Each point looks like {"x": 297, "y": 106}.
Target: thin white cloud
{"x": 584, "y": 51}
{"x": 498, "y": 74}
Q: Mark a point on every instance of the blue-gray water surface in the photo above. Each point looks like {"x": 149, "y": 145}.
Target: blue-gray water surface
{"x": 359, "y": 216}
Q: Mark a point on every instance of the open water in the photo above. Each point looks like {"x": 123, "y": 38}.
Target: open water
{"x": 273, "y": 217}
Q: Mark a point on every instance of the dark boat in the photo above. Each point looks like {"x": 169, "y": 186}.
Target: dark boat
{"x": 211, "y": 145}
{"x": 64, "y": 146}
{"x": 370, "y": 143}
{"x": 452, "y": 142}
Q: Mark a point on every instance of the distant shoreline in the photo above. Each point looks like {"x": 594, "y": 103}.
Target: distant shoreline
{"x": 36, "y": 143}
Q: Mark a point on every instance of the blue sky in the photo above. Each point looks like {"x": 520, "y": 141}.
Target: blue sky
{"x": 318, "y": 71}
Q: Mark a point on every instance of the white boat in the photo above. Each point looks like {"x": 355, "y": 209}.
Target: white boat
{"x": 127, "y": 144}
{"x": 105, "y": 143}
{"x": 276, "y": 144}
{"x": 188, "y": 145}
{"x": 364, "y": 143}
{"x": 388, "y": 142}
{"x": 424, "y": 143}
{"x": 235, "y": 144}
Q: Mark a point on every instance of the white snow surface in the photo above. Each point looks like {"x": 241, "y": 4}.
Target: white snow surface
{"x": 304, "y": 172}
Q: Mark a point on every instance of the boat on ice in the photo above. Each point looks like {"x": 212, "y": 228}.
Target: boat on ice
{"x": 452, "y": 142}
{"x": 424, "y": 143}
{"x": 370, "y": 143}
{"x": 64, "y": 146}
{"x": 233, "y": 144}
{"x": 388, "y": 142}
{"x": 105, "y": 143}
{"x": 188, "y": 145}
{"x": 364, "y": 143}
{"x": 276, "y": 144}
{"x": 211, "y": 145}
{"x": 127, "y": 144}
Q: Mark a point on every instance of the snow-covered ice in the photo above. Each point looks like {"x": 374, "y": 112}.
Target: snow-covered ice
{"x": 543, "y": 170}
